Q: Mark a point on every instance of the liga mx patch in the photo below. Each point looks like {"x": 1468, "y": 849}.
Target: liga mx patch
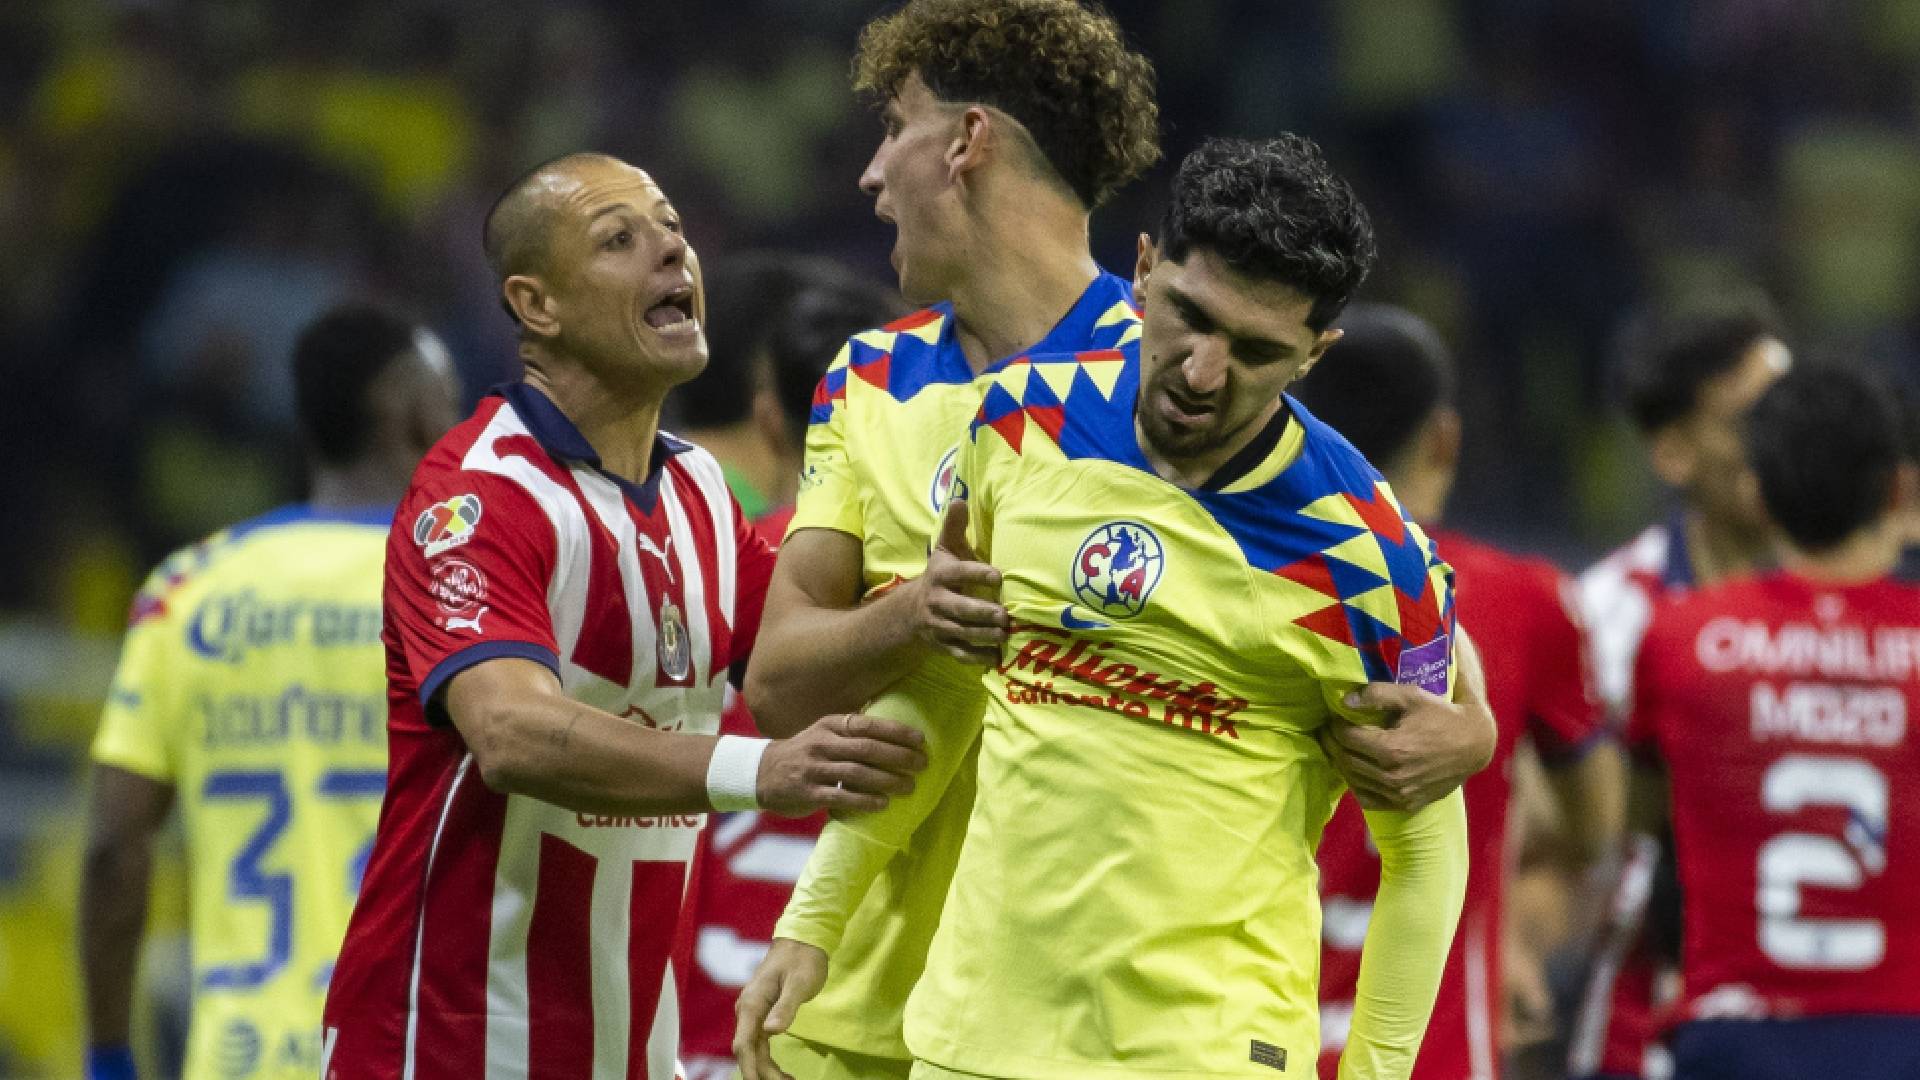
{"x": 1426, "y": 666}
{"x": 1265, "y": 1053}
{"x": 446, "y": 525}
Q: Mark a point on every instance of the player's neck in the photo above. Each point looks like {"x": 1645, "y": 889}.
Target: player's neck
{"x": 618, "y": 422}
{"x": 1028, "y": 275}
{"x": 1718, "y": 551}
{"x": 1867, "y": 555}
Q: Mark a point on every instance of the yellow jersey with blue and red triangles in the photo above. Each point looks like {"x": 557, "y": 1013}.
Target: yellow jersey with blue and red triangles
{"x": 1136, "y": 894}
{"x": 887, "y": 421}
{"x": 253, "y": 681}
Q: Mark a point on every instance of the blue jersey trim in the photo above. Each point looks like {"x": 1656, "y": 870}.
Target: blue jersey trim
{"x": 914, "y": 365}
{"x": 478, "y": 653}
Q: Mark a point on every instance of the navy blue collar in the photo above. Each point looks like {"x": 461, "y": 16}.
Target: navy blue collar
{"x": 562, "y": 441}
{"x": 1678, "y": 573}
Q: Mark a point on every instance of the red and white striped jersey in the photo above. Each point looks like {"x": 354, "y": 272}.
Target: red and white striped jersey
{"x": 498, "y": 935}
{"x": 1630, "y": 988}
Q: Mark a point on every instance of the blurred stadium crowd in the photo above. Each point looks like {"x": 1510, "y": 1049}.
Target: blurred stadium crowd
{"x": 186, "y": 183}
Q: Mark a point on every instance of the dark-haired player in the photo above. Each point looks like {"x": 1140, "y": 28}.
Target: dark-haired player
{"x": 1200, "y": 577}
{"x": 566, "y": 590}
{"x": 1388, "y": 387}
{"x": 251, "y": 692}
{"x": 775, "y": 320}
{"x": 1772, "y": 724}
{"x": 1006, "y": 123}
{"x": 1688, "y": 377}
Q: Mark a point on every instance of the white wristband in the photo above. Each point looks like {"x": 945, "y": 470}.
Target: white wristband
{"x": 733, "y": 773}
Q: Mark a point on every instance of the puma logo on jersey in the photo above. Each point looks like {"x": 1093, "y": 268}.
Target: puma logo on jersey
{"x": 454, "y": 622}
{"x": 663, "y": 554}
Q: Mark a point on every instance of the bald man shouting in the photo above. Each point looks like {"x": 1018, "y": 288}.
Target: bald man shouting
{"x": 566, "y": 590}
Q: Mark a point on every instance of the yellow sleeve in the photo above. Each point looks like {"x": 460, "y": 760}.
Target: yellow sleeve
{"x": 945, "y": 700}
{"x": 1423, "y": 883}
{"x": 829, "y": 496}
{"x": 137, "y": 727}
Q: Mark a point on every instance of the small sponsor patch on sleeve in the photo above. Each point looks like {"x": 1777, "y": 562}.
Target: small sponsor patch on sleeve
{"x": 1426, "y": 666}
{"x": 446, "y": 525}
{"x": 1265, "y": 1053}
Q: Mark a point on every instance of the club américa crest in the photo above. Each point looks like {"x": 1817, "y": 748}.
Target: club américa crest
{"x": 1116, "y": 569}
{"x": 944, "y": 482}
{"x": 675, "y": 647}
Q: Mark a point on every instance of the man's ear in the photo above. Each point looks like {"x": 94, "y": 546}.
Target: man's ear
{"x": 1673, "y": 457}
{"x": 1440, "y": 443}
{"x": 528, "y": 299}
{"x": 1145, "y": 255}
{"x": 1320, "y": 346}
{"x": 972, "y": 142}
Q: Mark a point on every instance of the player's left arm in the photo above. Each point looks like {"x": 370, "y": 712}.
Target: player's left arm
{"x": 1423, "y": 884}
{"x": 1423, "y": 745}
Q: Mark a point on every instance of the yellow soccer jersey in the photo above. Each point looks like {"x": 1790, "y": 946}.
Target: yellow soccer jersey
{"x": 887, "y": 422}
{"x": 1137, "y": 893}
{"x": 253, "y": 680}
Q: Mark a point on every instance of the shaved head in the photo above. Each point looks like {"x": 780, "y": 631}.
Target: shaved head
{"x": 520, "y": 223}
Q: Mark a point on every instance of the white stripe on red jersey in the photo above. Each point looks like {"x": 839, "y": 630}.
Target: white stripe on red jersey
{"x": 498, "y": 935}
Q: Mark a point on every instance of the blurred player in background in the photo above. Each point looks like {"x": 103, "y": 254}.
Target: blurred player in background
{"x": 566, "y": 590}
{"x": 1200, "y": 576}
{"x": 1772, "y": 725}
{"x": 251, "y": 691}
{"x": 1006, "y": 122}
{"x": 1388, "y": 387}
{"x": 1688, "y": 379}
{"x": 774, "y": 322}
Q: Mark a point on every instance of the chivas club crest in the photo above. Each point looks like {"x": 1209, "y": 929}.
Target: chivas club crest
{"x": 676, "y": 648}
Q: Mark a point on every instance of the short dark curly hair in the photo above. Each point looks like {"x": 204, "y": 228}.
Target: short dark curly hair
{"x": 1826, "y": 442}
{"x": 1273, "y": 209}
{"x": 1062, "y": 69}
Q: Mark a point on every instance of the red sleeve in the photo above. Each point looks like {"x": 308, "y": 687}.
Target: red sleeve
{"x": 753, "y": 570}
{"x": 468, "y": 566}
{"x": 1564, "y": 709}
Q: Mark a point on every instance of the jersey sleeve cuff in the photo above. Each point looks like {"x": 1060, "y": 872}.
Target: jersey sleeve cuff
{"x": 1558, "y": 752}
{"x": 479, "y": 653}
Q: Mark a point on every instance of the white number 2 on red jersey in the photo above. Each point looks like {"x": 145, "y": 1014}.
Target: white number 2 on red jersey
{"x": 1796, "y": 859}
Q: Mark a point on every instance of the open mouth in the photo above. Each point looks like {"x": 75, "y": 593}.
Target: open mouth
{"x": 674, "y": 312}
{"x": 1185, "y": 413}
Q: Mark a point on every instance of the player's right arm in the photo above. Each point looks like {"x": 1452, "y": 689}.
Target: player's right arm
{"x": 126, "y": 814}
{"x": 820, "y": 649}
{"x": 134, "y": 766}
{"x": 945, "y": 700}
{"x": 528, "y": 738}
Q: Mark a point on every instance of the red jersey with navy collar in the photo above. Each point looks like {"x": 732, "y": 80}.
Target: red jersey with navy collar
{"x": 1519, "y": 613}
{"x": 498, "y": 935}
